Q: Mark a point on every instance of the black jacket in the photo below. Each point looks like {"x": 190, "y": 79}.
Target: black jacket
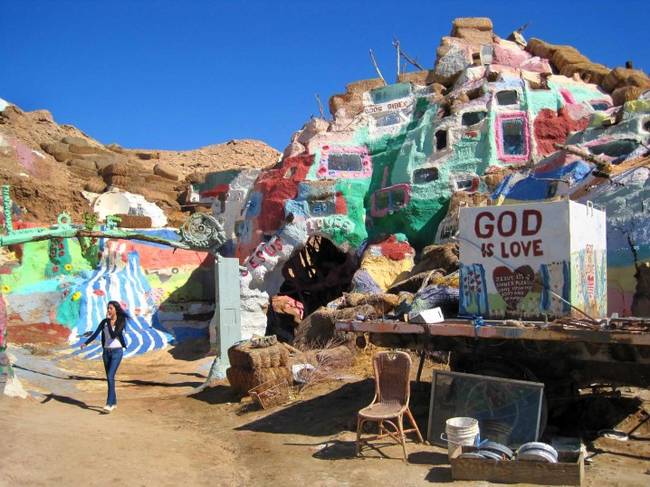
{"x": 117, "y": 333}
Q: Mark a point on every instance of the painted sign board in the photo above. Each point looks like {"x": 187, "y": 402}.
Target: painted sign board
{"x": 530, "y": 261}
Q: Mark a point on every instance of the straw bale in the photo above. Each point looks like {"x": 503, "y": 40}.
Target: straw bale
{"x": 246, "y": 357}
{"x": 477, "y": 23}
{"x": 626, "y": 93}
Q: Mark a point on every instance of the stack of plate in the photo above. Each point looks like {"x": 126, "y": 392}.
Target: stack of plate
{"x": 538, "y": 452}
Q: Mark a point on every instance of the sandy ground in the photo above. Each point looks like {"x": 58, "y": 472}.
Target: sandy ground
{"x": 164, "y": 434}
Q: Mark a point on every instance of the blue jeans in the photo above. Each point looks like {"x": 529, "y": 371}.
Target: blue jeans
{"x": 112, "y": 358}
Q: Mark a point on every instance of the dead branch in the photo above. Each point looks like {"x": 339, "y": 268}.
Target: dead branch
{"x": 374, "y": 63}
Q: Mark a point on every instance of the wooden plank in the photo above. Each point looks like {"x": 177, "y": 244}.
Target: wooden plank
{"x": 464, "y": 328}
{"x": 518, "y": 471}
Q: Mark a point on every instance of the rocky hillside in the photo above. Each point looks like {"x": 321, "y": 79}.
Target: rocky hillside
{"x": 49, "y": 165}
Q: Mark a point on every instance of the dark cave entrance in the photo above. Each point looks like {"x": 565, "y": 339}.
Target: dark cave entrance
{"x": 315, "y": 275}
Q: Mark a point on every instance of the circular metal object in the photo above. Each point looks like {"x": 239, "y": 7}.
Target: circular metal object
{"x": 537, "y": 456}
{"x": 498, "y": 448}
{"x": 203, "y": 231}
{"x": 490, "y": 454}
{"x": 536, "y": 450}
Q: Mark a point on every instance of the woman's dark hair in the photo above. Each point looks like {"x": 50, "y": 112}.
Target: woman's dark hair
{"x": 122, "y": 316}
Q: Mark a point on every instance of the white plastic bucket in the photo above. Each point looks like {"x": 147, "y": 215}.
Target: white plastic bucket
{"x": 460, "y": 431}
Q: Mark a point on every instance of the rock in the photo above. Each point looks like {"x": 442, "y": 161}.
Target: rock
{"x": 146, "y": 156}
{"x": 95, "y": 186}
{"x": 84, "y": 164}
{"x": 71, "y": 139}
{"x": 165, "y": 171}
{"x": 58, "y": 150}
{"x": 476, "y": 23}
{"x": 41, "y": 116}
{"x": 83, "y": 149}
{"x": 115, "y": 169}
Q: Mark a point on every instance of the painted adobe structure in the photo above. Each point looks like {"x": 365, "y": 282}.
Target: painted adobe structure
{"x": 378, "y": 176}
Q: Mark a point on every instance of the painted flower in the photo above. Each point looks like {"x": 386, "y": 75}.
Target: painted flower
{"x": 68, "y": 267}
{"x": 76, "y": 296}
{"x": 55, "y": 268}
{"x": 6, "y": 289}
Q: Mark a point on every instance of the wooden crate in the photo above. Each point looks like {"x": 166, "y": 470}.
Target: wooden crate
{"x": 570, "y": 470}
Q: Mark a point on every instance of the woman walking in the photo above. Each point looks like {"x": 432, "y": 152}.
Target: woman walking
{"x": 112, "y": 328}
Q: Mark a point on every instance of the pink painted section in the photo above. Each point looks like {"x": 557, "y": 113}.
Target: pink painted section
{"x": 510, "y": 56}
{"x": 568, "y": 97}
{"x": 499, "y": 132}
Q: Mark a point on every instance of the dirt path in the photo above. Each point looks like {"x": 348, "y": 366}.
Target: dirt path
{"x": 160, "y": 434}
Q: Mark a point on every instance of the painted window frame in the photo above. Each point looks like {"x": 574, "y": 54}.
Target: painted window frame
{"x": 376, "y": 212}
{"x": 324, "y": 172}
{"x": 501, "y": 154}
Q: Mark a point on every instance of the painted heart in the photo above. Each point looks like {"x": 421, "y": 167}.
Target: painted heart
{"x": 513, "y": 286}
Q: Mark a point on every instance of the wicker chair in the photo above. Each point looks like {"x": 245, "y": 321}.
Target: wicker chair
{"x": 391, "y": 401}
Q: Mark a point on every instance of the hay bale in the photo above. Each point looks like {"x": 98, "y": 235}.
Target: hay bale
{"x": 243, "y": 380}
{"x": 443, "y": 256}
{"x": 474, "y": 36}
{"x": 540, "y": 48}
{"x": 588, "y": 71}
{"x": 383, "y": 302}
{"x": 626, "y": 93}
{"x": 619, "y": 77}
{"x": 350, "y": 102}
{"x": 363, "y": 85}
{"x": 422, "y": 78}
{"x": 476, "y": 23}
{"x": 246, "y": 357}
{"x": 566, "y": 55}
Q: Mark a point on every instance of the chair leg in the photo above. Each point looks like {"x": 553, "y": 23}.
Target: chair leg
{"x": 400, "y": 427}
{"x": 415, "y": 425}
{"x": 381, "y": 428}
{"x": 359, "y": 427}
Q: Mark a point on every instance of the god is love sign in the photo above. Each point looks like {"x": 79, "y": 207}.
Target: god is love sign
{"x": 517, "y": 259}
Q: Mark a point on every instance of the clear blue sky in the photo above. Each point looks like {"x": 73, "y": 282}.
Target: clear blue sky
{"x": 182, "y": 74}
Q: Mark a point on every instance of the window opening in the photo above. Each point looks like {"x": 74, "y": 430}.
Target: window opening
{"x": 507, "y": 97}
{"x": 472, "y": 118}
{"x": 425, "y": 175}
{"x": 344, "y": 162}
{"x": 390, "y": 119}
{"x": 513, "y": 137}
{"x": 441, "y": 139}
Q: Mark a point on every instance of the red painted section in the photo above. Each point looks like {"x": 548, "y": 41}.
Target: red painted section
{"x": 279, "y": 185}
{"x": 341, "y": 205}
{"x": 153, "y": 257}
{"x": 215, "y": 191}
{"x": 394, "y": 249}
{"x": 39, "y": 333}
{"x": 553, "y": 128}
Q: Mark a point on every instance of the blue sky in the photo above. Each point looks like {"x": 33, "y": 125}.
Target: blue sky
{"x": 182, "y": 74}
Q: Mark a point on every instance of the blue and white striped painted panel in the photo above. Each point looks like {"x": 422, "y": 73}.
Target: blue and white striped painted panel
{"x": 120, "y": 278}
